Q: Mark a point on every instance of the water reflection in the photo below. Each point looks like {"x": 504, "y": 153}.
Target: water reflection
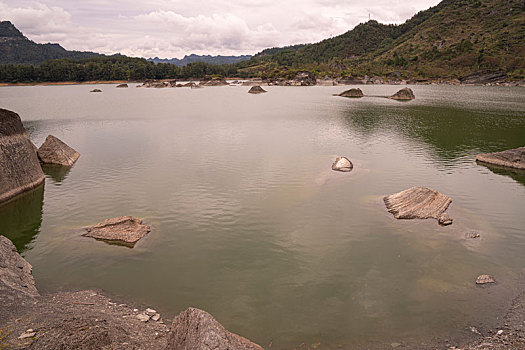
{"x": 57, "y": 172}
{"x": 517, "y": 175}
{"x": 20, "y": 219}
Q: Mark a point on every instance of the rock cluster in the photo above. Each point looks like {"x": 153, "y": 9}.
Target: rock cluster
{"x": 20, "y": 169}
{"x": 54, "y": 151}
{"x": 304, "y": 79}
{"x": 197, "y": 329}
{"x": 256, "y": 90}
{"x": 342, "y": 164}
{"x": 352, "y": 93}
{"x": 403, "y": 94}
{"x": 214, "y": 82}
{"x": 124, "y": 229}
{"x": 512, "y": 158}
{"x": 418, "y": 203}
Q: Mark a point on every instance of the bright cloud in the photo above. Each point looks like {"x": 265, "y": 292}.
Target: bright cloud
{"x": 173, "y": 28}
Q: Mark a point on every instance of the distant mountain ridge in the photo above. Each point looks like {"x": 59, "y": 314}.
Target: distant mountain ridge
{"x": 15, "y": 48}
{"x": 202, "y": 58}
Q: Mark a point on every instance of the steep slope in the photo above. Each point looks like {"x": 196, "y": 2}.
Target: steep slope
{"x": 15, "y": 48}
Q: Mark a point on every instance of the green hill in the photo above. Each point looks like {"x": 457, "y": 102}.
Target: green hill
{"x": 452, "y": 39}
{"x": 15, "y": 48}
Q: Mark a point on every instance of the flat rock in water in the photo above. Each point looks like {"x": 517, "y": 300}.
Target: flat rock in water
{"x": 342, "y": 164}
{"x": 125, "y": 229}
{"x": 403, "y": 94}
{"x": 352, "y": 93}
{"x": 485, "y": 279}
{"x": 20, "y": 169}
{"x": 54, "y": 151}
{"x": 417, "y": 203}
{"x": 96, "y": 90}
{"x": 512, "y": 158}
{"x": 197, "y": 329}
{"x": 120, "y": 86}
{"x": 256, "y": 90}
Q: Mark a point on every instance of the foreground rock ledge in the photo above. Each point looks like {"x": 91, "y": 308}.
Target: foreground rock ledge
{"x": 256, "y": 90}
{"x": 123, "y": 229}
{"x": 54, "y": 151}
{"x": 197, "y": 329}
{"x": 512, "y": 158}
{"x": 403, "y": 95}
{"x": 417, "y": 203}
{"x": 352, "y": 93}
{"x": 20, "y": 169}
{"x": 342, "y": 164}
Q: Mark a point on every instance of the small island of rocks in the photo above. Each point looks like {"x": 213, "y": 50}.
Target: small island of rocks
{"x": 125, "y": 230}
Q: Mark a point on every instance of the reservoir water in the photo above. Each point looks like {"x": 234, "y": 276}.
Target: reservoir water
{"x": 250, "y": 223}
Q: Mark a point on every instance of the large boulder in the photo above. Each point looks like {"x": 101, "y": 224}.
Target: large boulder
{"x": 54, "y": 151}
{"x": 512, "y": 158}
{"x": 125, "y": 230}
{"x": 418, "y": 203}
{"x": 342, "y": 164}
{"x": 20, "y": 169}
{"x": 352, "y": 93}
{"x": 404, "y": 95}
{"x": 304, "y": 79}
{"x": 15, "y": 271}
{"x": 256, "y": 90}
{"x": 197, "y": 329}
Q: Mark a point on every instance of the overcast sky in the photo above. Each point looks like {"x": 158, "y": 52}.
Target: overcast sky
{"x": 173, "y": 28}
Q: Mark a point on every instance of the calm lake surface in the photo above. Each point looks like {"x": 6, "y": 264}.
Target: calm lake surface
{"x": 250, "y": 223}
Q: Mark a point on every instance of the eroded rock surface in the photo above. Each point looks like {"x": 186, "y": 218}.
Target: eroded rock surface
{"x": 54, "y": 151}
{"x": 197, "y": 329}
{"x": 256, "y": 90}
{"x": 352, "y": 93}
{"x": 125, "y": 229}
{"x": 512, "y": 158}
{"x": 15, "y": 271}
{"x": 484, "y": 77}
{"x": 20, "y": 169}
{"x": 404, "y": 95}
{"x": 417, "y": 203}
{"x": 342, "y": 164}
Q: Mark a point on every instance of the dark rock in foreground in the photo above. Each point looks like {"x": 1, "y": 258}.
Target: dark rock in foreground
{"x": 417, "y": 203}
{"x": 54, "y": 151}
{"x": 15, "y": 271}
{"x": 120, "y": 86}
{"x": 256, "y": 90}
{"x": 342, "y": 164}
{"x": 96, "y": 90}
{"x": 124, "y": 229}
{"x": 403, "y": 95}
{"x": 352, "y": 93}
{"x": 484, "y": 77}
{"x": 197, "y": 329}
{"x": 512, "y": 158}
{"x": 20, "y": 169}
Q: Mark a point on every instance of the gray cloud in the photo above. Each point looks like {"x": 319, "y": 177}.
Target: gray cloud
{"x": 172, "y": 28}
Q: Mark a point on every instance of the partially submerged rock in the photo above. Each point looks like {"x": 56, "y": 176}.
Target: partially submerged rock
{"x": 20, "y": 169}
{"x": 417, "y": 203}
{"x": 54, "y": 151}
{"x": 256, "y": 90}
{"x": 485, "y": 279}
{"x": 15, "y": 271}
{"x": 512, "y": 158}
{"x": 404, "y": 95}
{"x": 352, "y": 93}
{"x": 197, "y": 329}
{"x": 444, "y": 219}
{"x": 120, "y": 86}
{"x": 123, "y": 229}
{"x": 96, "y": 90}
{"x": 342, "y": 164}
{"x": 472, "y": 234}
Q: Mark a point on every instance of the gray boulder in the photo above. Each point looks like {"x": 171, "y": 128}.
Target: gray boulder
{"x": 54, "y": 151}
{"x": 305, "y": 79}
{"x": 342, "y": 164}
{"x": 20, "y": 170}
{"x": 197, "y": 329}
{"x": 418, "y": 203}
{"x": 512, "y": 158}
{"x": 352, "y": 93}
{"x": 15, "y": 271}
{"x": 126, "y": 230}
{"x": 404, "y": 95}
{"x": 256, "y": 90}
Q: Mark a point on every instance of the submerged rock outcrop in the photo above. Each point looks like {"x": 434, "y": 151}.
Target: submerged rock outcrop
{"x": 256, "y": 90}
{"x": 54, "y": 151}
{"x": 352, "y": 93}
{"x": 197, "y": 329}
{"x": 512, "y": 158}
{"x": 123, "y": 229}
{"x": 96, "y": 90}
{"x": 20, "y": 169}
{"x": 403, "y": 95}
{"x": 342, "y": 164}
{"x": 418, "y": 203}
{"x": 120, "y": 86}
